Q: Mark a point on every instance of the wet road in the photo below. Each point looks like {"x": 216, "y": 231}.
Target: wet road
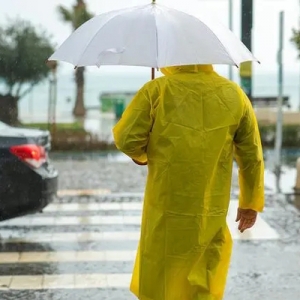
{"x": 83, "y": 245}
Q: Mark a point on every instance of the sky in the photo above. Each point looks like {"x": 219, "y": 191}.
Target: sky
{"x": 265, "y": 31}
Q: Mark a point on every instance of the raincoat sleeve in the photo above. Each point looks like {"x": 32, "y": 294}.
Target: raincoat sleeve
{"x": 131, "y": 133}
{"x": 249, "y": 156}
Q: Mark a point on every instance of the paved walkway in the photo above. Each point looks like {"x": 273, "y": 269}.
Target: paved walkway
{"x": 83, "y": 245}
{"x": 82, "y": 250}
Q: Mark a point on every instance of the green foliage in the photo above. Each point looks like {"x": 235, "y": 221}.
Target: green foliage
{"x": 296, "y": 39}
{"x": 77, "y": 15}
{"x": 23, "y": 52}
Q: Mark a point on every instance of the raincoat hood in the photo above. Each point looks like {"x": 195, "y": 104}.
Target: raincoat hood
{"x": 186, "y": 69}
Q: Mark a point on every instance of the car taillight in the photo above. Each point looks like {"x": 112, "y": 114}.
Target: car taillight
{"x": 31, "y": 154}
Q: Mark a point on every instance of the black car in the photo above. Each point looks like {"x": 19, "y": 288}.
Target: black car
{"x": 28, "y": 181}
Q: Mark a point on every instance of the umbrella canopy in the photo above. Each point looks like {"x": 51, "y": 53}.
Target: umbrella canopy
{"x": 152, "y": 36}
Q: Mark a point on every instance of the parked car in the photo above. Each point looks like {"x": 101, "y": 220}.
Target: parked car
{"x": 28, "y": 180}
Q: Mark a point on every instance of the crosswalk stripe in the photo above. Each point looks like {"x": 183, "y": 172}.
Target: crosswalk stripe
{"x": 71, "y": 207}
{"x": 66, "y": 256}
{"x": 54, "y": 217}
{"x": 86, "y": 192}
{"x": 72, "y": 220}
{"x": 70, "y": 237}
{"x": 261, "y": 230}
{"x": 64, "y": 281}
{"x": 99, "y": 192}
{"x": 96, "y": 206}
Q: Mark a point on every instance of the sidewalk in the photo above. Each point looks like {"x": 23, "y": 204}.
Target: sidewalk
{"x": 83, "y": 245}
{"x": 261, "y": 269}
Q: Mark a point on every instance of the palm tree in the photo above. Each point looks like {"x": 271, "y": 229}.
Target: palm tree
{"x": 296, "y": 38}
{"x": 76, "y": 16}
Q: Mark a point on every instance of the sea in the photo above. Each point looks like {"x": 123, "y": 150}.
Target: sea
{"x": 34, "y": 107}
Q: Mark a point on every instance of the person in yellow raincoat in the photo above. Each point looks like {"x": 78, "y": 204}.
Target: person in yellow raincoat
{"x": 188, "y": 126}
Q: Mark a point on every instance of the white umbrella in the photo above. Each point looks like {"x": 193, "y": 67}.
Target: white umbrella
{"x": 152, "y": 36}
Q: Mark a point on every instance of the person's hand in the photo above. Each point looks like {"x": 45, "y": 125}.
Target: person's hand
{"x": 246, "y": 217}
{"x": 139, "y": 163}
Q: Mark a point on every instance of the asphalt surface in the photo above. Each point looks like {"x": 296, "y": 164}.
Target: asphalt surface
{"x": 67, "y": 253}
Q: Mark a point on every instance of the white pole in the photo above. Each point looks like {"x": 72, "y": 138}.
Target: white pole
{"x": 230, "y": 4}
{"x": 278, "y": 141}
{"x": 50, "y": 101}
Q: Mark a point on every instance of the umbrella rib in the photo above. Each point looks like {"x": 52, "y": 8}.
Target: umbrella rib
{"x": 110, "y": 20}
{"x": 92, "y": 39}
{"x": 226, "y": 50}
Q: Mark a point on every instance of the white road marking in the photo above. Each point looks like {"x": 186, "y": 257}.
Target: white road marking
{"x": 64, "y": 281}
{"x": 66, "y": 256}
{"x": 260, "y": 231}
{"x": 71, "y": 207}
{"x": 86, "y": 192}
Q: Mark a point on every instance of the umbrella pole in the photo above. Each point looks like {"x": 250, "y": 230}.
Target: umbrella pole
{"x": 153, "y": 70}
{"x": 152, "y": 73}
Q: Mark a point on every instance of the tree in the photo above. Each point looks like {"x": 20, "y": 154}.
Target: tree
{"x": 76, "y": 16}
{"x": 23, "y": 52}
{"x": 296, "y": 39}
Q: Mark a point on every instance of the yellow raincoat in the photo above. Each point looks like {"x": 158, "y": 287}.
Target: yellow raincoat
{"x": 188, "y": 125}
